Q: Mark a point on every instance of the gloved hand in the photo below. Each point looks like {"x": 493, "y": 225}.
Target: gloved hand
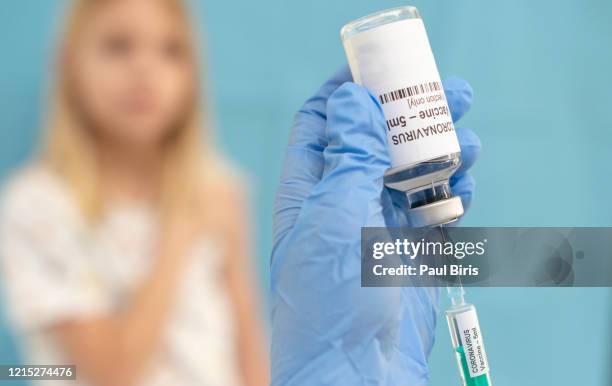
{"x": 326, "y": 329}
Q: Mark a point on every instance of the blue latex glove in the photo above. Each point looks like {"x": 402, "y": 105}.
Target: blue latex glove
{"x": 326, "y": 329}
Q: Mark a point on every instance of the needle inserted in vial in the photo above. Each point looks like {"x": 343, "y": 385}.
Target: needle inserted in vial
{"x": 466, "y": 336}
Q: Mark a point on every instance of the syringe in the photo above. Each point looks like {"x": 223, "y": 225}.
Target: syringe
{"x": 466, "y": 336}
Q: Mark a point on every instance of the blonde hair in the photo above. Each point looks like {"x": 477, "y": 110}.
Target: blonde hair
{"x": 189, "y": 159}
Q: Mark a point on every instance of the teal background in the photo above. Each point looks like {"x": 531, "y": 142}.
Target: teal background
{"x": 540, "y": 70}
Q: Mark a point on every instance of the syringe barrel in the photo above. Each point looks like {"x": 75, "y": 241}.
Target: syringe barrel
{"x": 468, "y": 345}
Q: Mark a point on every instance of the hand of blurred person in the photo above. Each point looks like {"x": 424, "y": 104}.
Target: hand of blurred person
{"x": 123, "y": 341}
{"x": 326, "y": 329}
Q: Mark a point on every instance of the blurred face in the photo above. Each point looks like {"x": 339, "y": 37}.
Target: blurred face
{"x": 131, "y": 73}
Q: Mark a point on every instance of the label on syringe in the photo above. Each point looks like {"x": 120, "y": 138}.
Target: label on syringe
{"x": 471, "y": 340}
{"x": 395, "y": 62}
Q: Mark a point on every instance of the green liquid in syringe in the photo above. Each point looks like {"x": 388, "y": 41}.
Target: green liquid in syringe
{"x": 481, "y": 380}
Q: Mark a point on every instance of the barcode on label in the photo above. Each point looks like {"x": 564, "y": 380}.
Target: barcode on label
{"x": 411, "y": 91}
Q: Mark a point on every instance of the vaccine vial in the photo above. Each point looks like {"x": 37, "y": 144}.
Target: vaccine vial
{"x": 467, "y": 341}
{"x": 389, "y": 54}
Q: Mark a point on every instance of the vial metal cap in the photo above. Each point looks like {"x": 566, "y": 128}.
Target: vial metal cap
{"x": 437, "y": 213}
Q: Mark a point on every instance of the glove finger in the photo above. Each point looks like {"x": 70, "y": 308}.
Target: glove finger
{"x": 315, "y": 108}
{"x": 303, "y": 165}
{"x": 348, "y": 196}
{"x": 464, "y": 187}
{"x": 420, "y": 309}
{"x": 470, "y": 149}
{"x": 394, "y": 205}
{"x": 459, "y": 96}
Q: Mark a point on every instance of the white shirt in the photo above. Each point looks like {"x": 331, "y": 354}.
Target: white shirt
{"x": 54, "y": 269}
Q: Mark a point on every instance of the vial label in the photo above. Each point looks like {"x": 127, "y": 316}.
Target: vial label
{"x": 395, "y": 62}
{"x": 471, "y": 341}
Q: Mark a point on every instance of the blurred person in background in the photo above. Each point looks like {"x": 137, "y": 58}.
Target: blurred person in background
{"x": 124, "y": 245}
